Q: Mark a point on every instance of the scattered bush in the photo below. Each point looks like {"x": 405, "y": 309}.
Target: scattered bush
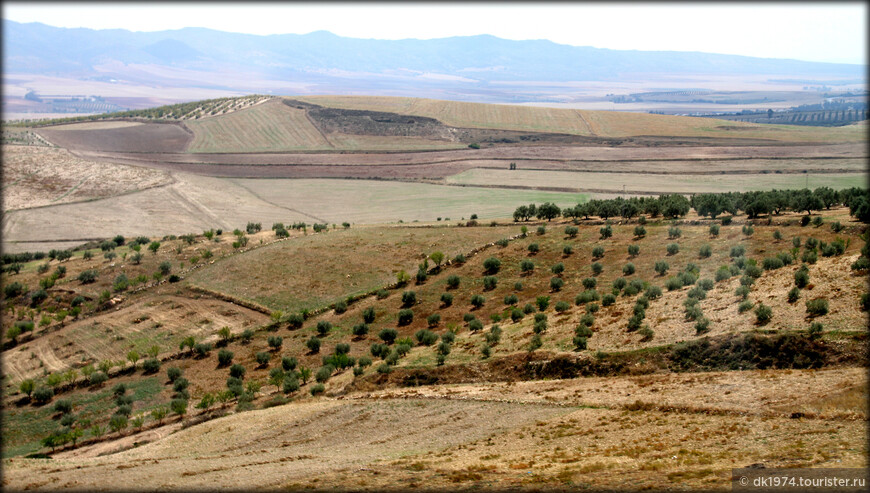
{"x": 323, "y": 327}
{"x": 737, "y": 251}
{"x": 406, "y": 316}
{"x": 489, "y": 283}
{"x": 628, "y": 269}
{"x": 817, "y": 307}
{"x": 673, "y": 248}
{"x": 409, "y": 299}
{"x": 673, "y": 283}
{"x": 477, "y": 301}
{"x": 447, "y": 299}
{"x": 340, "y": 307}
{"x": 151, "y": 365}
{"x": 619, "y": 283}
{"x": 697, "y": 292}
{"x": 772, "y": 263}
{"x": 702, "y": 325}
{"x": 426, "y": 337}
{"x": 598, "y": 252}
{"x": 275, "y": 342}
{"x": 763, "y": 314}
{"x": 87, "y": 276}
{"x": 313, "y": 344}
{"x": 452, "y": 281}
{"x": 295, "y": 321}
{"x": 388, "y": 335}
{"x": 492, "y": 265}
{"x": 556, "y": 283}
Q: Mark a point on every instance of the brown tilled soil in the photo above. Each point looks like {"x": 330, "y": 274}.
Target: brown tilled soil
{"x": 657, "y": 431}
{"x": 144, "y": 137}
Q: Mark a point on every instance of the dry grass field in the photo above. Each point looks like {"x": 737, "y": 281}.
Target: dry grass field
{"x": 270, "y": 126}
{"x": 370, "y": 202}
{"x": 473, "y": 115}
{"x": 588, "y": 123}
{"x": 527, "y": 436}
{"x": 325, "y": 268}
{"x": 35, "y": 176}
{"x": 193, "y": 203}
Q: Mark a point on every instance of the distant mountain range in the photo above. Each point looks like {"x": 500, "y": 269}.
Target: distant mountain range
{"x": 325, "y": 60}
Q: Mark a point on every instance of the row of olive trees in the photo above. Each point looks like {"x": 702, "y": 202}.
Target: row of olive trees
{"x": 753, "y": 204}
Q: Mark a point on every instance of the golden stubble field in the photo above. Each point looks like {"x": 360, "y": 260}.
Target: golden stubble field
{"x": 611, "y": 124}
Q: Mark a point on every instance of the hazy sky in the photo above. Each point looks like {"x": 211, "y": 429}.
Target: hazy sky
{"x": 827, "y": 32}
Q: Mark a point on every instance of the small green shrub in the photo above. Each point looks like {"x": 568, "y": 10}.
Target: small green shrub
{"x": 763, "y": 314}
{"x": 313, "y": 344}
{"x": 490, "y": 283}
{"x": 388, "y": 335}
{"x": 406, "y": 316}
{"x": 793, "y": 295}
{"x": 817, "y": 307}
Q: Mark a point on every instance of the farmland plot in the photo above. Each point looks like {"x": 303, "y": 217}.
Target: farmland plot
{"x": 270, "y": 126}
{"x": 658, "y": 183}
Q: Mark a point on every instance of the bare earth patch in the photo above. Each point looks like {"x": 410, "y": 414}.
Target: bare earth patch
{"x": 41, "y": 176}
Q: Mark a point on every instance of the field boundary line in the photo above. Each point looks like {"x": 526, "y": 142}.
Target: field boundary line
{"x": 231, "y": 299}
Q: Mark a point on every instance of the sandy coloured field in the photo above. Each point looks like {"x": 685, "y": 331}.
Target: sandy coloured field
{"x": 195, "y": 203}
{"x": 651, "y": 431}
{"x": 35, "y": 176}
